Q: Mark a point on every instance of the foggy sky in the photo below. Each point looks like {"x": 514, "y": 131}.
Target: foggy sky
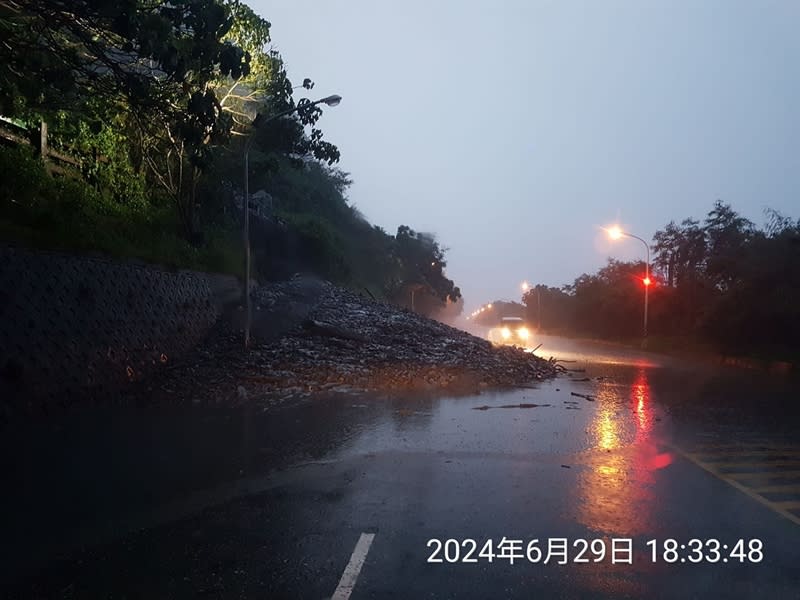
{"x": 512, "y": 130}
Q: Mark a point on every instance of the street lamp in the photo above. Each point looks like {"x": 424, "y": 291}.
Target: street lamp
{"x": 615, "y": 233}
{"x": 329, "y": 100}
{"x": 332, "y": 100}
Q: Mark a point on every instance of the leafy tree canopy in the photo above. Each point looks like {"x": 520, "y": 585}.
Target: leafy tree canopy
{"x": 155, "y": 59}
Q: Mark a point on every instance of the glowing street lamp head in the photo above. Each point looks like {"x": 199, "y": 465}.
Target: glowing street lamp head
{"x": 614, "y": 232}
{"x": 488, "y": 306}
{"x": 525, "y": 286}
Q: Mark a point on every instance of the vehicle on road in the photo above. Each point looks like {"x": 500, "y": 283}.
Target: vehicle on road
{"x": 513, "y": 331}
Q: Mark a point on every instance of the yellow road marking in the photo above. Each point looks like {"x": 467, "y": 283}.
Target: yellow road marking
{"x": 758, "y": 464}
{"x": 788, "y": 488}
{"x": 745, "y": 490}
{"x": 756, "y": 446}
{"x": 746, "y": 453}
{"x": 765, "y": 475}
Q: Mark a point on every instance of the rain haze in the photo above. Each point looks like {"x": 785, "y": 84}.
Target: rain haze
{"x": 218, "y": 379}
{"x": 514, "y": 130}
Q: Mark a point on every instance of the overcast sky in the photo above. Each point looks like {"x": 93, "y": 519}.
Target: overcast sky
{"x": 512, "y": 130}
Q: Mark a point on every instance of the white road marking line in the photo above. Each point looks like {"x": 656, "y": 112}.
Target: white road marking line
{"x": 353, "y": 568}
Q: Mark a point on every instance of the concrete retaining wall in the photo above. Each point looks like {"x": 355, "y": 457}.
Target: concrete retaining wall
{"x": 80, "y": 325}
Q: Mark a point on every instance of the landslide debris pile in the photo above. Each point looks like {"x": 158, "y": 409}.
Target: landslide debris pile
{"x": 332, "y": 339}
{"x": 351, "y": 340}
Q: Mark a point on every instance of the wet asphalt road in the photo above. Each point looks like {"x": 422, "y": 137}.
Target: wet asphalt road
{"x": 664, "y": 450}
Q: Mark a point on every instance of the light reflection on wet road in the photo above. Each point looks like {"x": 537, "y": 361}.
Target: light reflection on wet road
{"x": 523, "y": 463}
{"x": 616, "y": 443}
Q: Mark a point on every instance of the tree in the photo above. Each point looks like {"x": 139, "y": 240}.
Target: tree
{"x": 154, "y": 62}
{"x": 421, "y": 271}
{"x": 727, "y": 234}
{"x": 265, "y": 90}
{"x": 679, "y": 251}
{"x": 603, "y": 303}
{"x": 550, "y": 306}
{"x": 760, "y": 308}
{"x": 153, "y": 58}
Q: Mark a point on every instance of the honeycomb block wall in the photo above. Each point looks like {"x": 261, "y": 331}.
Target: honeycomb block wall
{"x": 71, "y": 325}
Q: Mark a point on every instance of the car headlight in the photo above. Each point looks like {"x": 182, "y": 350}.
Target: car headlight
{"x": 523, "y": 333}
{"x": 505, "y": 332}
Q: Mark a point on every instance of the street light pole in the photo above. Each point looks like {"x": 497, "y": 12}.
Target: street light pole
{"x": 539, "y": 308}
{"x": 330, "y": 101}
{"x": 248, "y": 310}
{"x": 615, "y": 233}
{"x": 525, "y": 287}
{"x": 646, "y": 278}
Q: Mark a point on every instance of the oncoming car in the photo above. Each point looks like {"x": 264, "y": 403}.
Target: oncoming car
{"x": 512, "y": 331}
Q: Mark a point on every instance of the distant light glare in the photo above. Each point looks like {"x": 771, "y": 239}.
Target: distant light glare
{"x": 614, "y": 232}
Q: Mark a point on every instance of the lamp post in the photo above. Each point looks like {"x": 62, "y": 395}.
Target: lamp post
{"x": 257, "y": 122}
{"x": 616, "y": 233}
{"x": 525, "y": 287}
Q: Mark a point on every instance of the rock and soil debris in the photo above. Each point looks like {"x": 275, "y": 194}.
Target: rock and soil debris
{"x": 312, "y": 337}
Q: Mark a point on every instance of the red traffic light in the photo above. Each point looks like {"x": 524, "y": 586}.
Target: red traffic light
{"x": 646, "y": 281}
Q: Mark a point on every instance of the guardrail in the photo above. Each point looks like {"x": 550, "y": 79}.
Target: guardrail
{"x": 55, "y": 161}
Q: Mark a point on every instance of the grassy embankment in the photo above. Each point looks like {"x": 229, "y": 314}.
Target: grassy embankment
{"x": 63, "y": 214}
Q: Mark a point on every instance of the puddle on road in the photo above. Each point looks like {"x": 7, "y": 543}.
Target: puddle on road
{"x": 603, "y": 455}
{"x": 564, "y": 424}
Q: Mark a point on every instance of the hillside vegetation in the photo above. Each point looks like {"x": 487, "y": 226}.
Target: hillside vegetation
{"x": 156, "y": 105}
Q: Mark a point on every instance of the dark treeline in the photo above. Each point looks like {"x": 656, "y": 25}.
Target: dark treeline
{"x": 157, "y": 103}
{"x": 721, "y": 282}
